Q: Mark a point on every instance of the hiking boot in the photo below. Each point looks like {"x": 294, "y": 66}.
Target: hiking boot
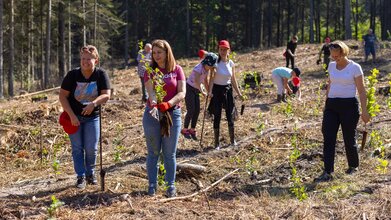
{"x": 283, "y": 98}
{"x": 81, "y": 182}
{"x": 186, "y": 133}
{"x": 192, "y": 133}
{"x": 91, "y": 180}
{"x": 217, "y": 135}
{"x": 171, "y": 192}
{"x": 279, "y": 98}
{"x": 351, "y": 170}
{"x": 324, "y": 177}
{"x": 232, "y": 136}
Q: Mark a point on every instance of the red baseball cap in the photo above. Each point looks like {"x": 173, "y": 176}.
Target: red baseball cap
{"x": 65, "y": 121}
{"x": 201, "y": 53}
{"x": 224, "y": 44}
{"x": 296, "y": 81}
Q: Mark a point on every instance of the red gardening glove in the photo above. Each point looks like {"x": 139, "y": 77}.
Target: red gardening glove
{"x": 163, "y": 106}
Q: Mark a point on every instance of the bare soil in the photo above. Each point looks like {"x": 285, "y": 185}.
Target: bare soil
{"x": 31, "y": 138}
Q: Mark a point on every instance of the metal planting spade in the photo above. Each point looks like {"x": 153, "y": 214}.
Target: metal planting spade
{"x": 364, "y": 137}
{"x": 102, "y": 172}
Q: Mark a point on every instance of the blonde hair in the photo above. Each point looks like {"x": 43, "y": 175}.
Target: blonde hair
{"x": 341, "y": 46}
{"x": 90, "y": 49}
{"x": 170, "y": 60}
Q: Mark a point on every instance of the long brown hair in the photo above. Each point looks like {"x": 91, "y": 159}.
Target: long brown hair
{"x": 170, "y": 59}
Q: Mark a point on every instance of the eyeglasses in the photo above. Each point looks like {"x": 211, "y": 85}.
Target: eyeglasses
{"x": 334, "y": 46}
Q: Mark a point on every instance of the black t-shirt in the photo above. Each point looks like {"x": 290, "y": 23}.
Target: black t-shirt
{"x": 82, "y": 90}
{"x": 291, "y": 46}
{"x": 326, "y": 49}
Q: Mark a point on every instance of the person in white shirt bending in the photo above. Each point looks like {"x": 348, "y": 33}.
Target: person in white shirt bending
{"x": 342, "y": 108}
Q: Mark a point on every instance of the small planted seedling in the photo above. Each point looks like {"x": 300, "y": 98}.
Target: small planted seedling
{"x": 261, "y": 123}
{"x": 372, "y": 106}
{"x": 54, "y": 206}
{"x": 297, "y": 186}
{"x": 380, "y": 151}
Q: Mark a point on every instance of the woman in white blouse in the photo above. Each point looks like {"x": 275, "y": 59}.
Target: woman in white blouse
{"x": 342, "y": 108}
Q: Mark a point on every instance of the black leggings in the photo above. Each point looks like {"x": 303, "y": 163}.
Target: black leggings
{"x": 344, "y": 112}
{"x": 192, "y": 105}
{"x": 290, "y": 58}
{"x": 222, "y": 97}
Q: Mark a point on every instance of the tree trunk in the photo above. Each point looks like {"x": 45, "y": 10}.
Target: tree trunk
{"x": 1, "y": 52}
{"x": 348, "y": 29}
{"x": 95, "y": 21}
{"x": 188, "y": 31}
{"x": 83, "y": 6}
{"x": 30, "y": 64}
{"x": 61, "y": 41}
{"x": 269, "y": 29}
{"x": 47, "y": 48}
{"x": 386, "y": 30}
{"x": 356, "y": 20}
{"x": 288, "y": 19}
{"x": 126, "y": 43}
{"x": 278, "y": 23}
{"x": 42, "y": 49}
{"x": 311, "y": 21}
{"x": 302, "y": 20}
{"x": 12, "y": 51}
{"x": 318, "y": 39}
{"x": 327, "y": 17}
{"x": 261, "y": 24}
{"x": 69, "y": 38}
{"x": 295, "y": 25}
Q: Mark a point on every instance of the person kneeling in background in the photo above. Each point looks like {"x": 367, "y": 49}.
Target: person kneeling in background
{"x": 280, "y": 77}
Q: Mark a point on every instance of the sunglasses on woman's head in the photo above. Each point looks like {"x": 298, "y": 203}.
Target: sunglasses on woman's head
{"x": 334, "y": 46}
{"x": 90, "y": 49}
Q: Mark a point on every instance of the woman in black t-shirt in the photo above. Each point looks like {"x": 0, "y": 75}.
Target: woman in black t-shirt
{"x": 326, "y": 53}
{"x": 290, "y": 51}
{"x": 82, "y": 91}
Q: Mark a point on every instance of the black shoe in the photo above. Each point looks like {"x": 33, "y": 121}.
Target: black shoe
{"x": 193, "y": 135}
{"x": 325, "y": 177}
{"x": 81, "y": 182}
{"x": 151, "y": 190}
{"x": 91, "y": 180}
{"x": 351, "y": 170}
{"x": 171, "y": 192}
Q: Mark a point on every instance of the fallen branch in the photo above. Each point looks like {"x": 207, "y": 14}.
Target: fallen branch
{"x": 201, "y": 191}
{"x": 36, "y": 93}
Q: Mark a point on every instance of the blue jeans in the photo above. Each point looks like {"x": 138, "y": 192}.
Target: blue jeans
{"x": 85, "y": 146}
{"x": 156, "y": 143}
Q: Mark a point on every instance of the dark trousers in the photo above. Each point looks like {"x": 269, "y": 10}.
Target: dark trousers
{"x": 145, "y": 96}
{"x": 344, "y": 112}
{"x": 222, "y": 98}
{"x": 192, "y": 105}
{"x": 290, "y": 58}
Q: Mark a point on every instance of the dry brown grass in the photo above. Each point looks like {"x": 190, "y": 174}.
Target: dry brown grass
{"x": 27, "y": 184}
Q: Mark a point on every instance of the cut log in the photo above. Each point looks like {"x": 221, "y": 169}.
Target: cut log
{"x": 192, "y": 169}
